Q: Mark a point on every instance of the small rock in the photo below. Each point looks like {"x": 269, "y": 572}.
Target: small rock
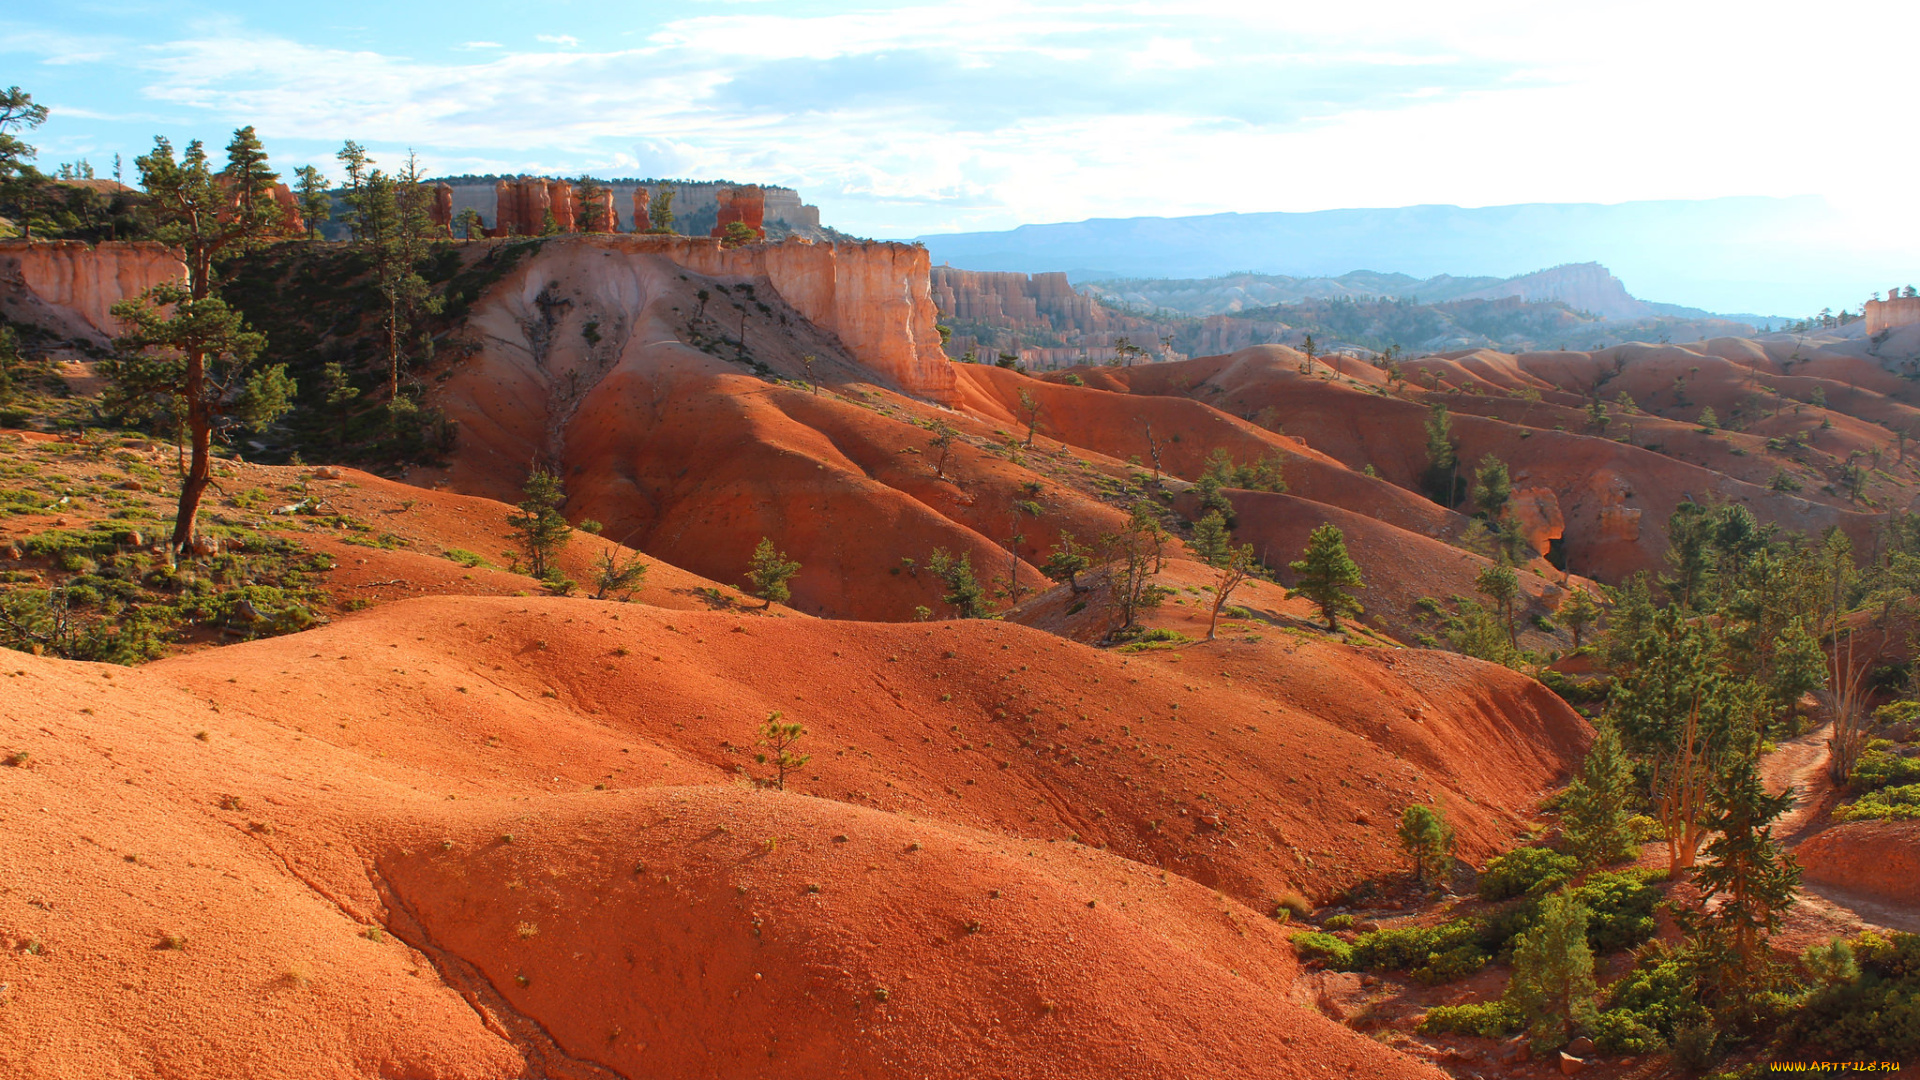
{"x": 1569, "y": 1065}
{"x": 131, "y": 485}
{"x": 1362, "y": 819}
{"x": 1581, "y": 1047}
{"x": 326, "y": 472}
{"x": 1366, "y": 927}
{"x": 1369, "y": 980}
{"x": 1513, "y": 1051}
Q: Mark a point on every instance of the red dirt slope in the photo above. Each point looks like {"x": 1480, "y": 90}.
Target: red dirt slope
{"x": 1878, "y": 858}
{"x": 370, "y": 771}
{"x": 1614, "y": 499}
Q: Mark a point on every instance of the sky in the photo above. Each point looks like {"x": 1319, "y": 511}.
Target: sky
{"x": 916, "y": 118}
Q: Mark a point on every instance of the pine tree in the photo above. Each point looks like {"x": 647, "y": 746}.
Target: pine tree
{"x": 1234, "y": 568}
{"x": 540, "y": 526}
{"x": 1681, "y": 713}
{"x": 1595, "y": 820}
{"x": 613, "y": 574}
{"x": 1499, "y": 583}
{"x": 1708, "y": 421}
{"x": 1067, "y": 562}
{"x": 392, "y": 219}
{"x": 316, "y": 204}
{"x": 780, "y": 737}
{"x": 1132, "y": 557}
{"x": 1032, "y": 408}
{"x": 940, "y": 446}
{"x": 1579, "y": 612}
{"x": 1443, "y": 461}
{"x": 1746, "y": 885}
{"x": 184, "y": 344}
{"x": 1326, "y": 572}
{"x": 964, "y": 592}
{"x": 1492, "y": 487}
{"x": 768, "y": 573}
{"x": 340, "y": 393}
{"x": 1552, "y": 986}
{"x": 1426, "y": 839}
{"x": 1210, "y": 540}
{"x": 353, "y": 157}
{"x": 660, "y": 211}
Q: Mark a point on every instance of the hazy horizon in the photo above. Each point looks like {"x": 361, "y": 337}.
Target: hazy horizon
{"x": 910, "y": 120}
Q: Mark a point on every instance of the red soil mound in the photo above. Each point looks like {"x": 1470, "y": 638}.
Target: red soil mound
{"x": 694, "y": 459}
{"x": 1400, "y": 567}
{"x": 367, "y": 772}
{"x": 1188, "y": 432}
{"x": 1613, "y": 499}
{"x": 1880, "y": 859}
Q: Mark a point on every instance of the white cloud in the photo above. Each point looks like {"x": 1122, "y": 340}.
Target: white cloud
{"x": 987, "y": 114}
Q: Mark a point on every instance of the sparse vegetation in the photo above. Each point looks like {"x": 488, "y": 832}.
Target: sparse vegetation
{"x": 768, "y": 574}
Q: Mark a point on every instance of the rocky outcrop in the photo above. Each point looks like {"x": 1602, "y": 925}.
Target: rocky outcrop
{"x": 1537, "y": 510}
{"x": 1580, "y": 286}
{"x": 1893, "y": 312}
{"x": 744, "y": 205}
{"x": 68, "y": 288}
{"x": 526, "y": 206}
{"x": 597, "y": 213}
{"x": 872, "y": 296}
{"x": 1039, "y": 318}
{"x": 291, "y": 221}
{"x": 695, "y": 207}
{"x": 441, "y": 212}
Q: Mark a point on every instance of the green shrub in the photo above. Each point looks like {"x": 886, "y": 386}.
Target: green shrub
{"x": 1618, "y": 1031}
{"x": 1620, "y": 908}
{"x": 1489, "y": 1020}
{"x": 1875, "y": 1016}
{"x": 1898, "y": 712}
{"x": 1315, "y": 945}
{"x": 1650, "y": 1002}
{"x": 1892, "y": 804}
{"x": 1527, "y": 871}
{"x": 1338, "y": 922}
{"x": 467, "y": 558}
{"x": 1879, "y": 768}
{"x": 1430, "y": 954}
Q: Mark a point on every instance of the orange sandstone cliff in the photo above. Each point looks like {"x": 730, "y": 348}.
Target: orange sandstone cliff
{"x": 68, "y": 288}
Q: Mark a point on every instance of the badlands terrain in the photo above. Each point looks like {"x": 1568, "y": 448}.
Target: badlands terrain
{"x": 459, "y": 822}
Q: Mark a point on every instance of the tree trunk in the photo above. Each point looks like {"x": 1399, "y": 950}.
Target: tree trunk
{"x": 200, "y": 468}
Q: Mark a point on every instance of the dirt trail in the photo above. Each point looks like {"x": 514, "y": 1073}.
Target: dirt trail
{"x": 1824, "y": 910}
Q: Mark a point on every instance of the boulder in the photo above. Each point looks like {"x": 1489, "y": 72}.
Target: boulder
{"x": 1570, "y": 1065}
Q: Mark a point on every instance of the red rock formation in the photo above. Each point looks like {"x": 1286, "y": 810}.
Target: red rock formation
{"x": 515, "y": 203}
{"x": 642, "y": 202}
{"x": 441, "y": 213}
{"x": 565, "y": 209}
{"x": 747, "y": 205}
{"x": 523, "y": 207}
{"x": 597, "y": 213}
{"x": 291, "y": 221}
{"x": 69, "y": 288}
{"x": 1015, "y": 303}
{"x": 1892, "y": 312}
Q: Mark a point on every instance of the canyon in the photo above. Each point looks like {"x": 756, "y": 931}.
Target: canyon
{"x": 474, "y": 824}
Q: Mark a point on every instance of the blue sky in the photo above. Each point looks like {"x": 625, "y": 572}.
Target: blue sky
{"x": 907, "y": 119}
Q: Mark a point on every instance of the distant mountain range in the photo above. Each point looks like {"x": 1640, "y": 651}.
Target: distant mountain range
{"x": 1587, "y": 287}
{"x": 1731, "y": 254}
